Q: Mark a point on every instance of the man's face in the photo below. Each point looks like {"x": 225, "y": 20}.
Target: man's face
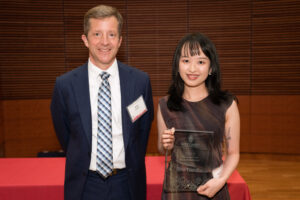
{"x": 103, "y": 41}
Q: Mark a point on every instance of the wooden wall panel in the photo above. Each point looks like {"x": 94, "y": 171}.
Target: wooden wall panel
{"x": 43, "y": 37}
{"x": 276, "y": 47}
{"x": 228, "y": 25}
{"x": 1, "y": 131}
{"x": 153, "y": 137}
{"x": 244, "y": 109}
{"x": 154, "y": 29}
{"x": 31, "y": 48}
{"x": 28, "y": 128}
{"x": 275, "y": 123}
{"x": 269, "y": 124}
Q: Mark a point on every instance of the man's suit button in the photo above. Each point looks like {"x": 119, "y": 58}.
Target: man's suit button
{"x": 84, "y": 173}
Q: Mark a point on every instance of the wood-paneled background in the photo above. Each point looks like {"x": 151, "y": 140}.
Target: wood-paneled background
{"x": 258, "y": 44}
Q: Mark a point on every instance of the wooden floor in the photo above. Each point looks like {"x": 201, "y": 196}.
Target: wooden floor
{"x": 271, "y": 177}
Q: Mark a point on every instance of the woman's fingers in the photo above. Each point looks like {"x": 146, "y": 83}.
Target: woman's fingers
{"x": 168, "y": 138}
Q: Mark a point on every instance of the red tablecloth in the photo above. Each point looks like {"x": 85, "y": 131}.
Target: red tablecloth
{"x": 43, "y": 178}
{"x": 32, "y": 178}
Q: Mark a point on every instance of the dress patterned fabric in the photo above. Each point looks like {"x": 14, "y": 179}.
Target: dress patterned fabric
{"x": 203, "y": 115}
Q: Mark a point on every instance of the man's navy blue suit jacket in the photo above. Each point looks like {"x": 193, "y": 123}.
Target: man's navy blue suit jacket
{"x": 71, "y": 115}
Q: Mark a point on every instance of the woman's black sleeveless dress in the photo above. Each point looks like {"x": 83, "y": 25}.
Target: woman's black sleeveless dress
{"x": 203, "y": 115}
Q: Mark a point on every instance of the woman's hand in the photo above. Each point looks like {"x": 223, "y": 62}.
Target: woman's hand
{"x": 211, "y": 187}
{"x": 167, "y": 139}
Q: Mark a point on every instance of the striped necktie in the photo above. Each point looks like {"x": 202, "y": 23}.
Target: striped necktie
{"x": 104, "y": 132}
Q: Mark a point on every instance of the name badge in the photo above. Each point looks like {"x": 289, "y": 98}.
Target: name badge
{"x": 137, "y": 109}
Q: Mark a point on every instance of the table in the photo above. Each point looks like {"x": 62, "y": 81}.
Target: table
{"x": 31, "y": 178}
{"x": 43, "y": 178}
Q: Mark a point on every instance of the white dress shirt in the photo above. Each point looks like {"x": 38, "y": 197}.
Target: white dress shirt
{"x": 117, "y": 134}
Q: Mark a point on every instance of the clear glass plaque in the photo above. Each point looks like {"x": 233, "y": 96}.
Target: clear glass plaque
{"x": 190, "y": 164}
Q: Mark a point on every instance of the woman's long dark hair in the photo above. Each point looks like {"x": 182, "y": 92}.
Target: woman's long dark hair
{"x": 191, "y": 43}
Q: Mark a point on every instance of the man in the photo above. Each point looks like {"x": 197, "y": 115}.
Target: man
{"x": 102, "y": 113}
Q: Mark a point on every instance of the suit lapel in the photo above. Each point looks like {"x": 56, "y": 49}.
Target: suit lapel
{"x": 82, "y": 95}
{"x": 127, "y": 88}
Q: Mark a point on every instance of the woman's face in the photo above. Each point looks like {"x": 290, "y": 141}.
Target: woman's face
{"x": 194, "y": 69}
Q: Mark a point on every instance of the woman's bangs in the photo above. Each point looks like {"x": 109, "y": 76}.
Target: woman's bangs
{"x": 191, "y": 48}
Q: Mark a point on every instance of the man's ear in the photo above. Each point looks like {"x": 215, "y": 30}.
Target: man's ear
{"x": 85, "y": 40}
{"x": 120, "y": 41}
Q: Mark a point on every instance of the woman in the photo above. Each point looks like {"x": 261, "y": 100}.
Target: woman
{"x": 196, "y": 102}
